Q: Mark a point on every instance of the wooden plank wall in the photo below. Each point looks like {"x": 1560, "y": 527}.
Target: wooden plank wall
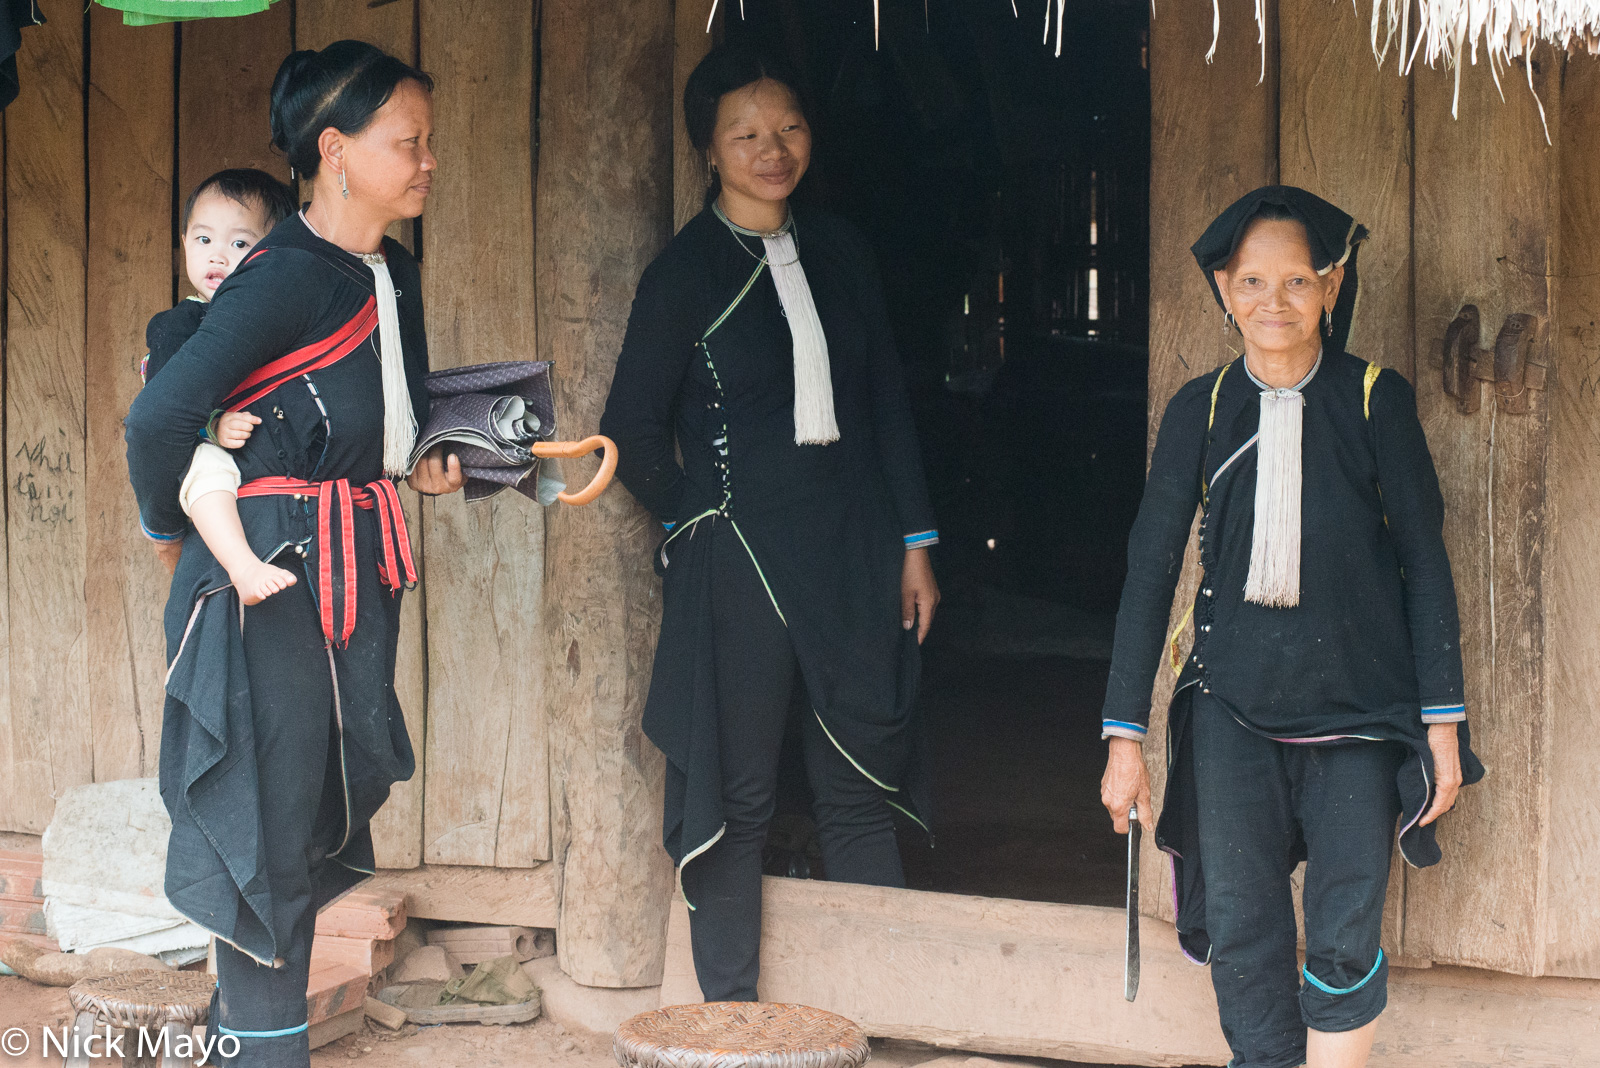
{"x": 51, "y": 730}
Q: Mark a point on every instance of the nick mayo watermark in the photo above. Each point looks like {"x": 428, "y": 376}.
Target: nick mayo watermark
{"x": 104, "y": 1042}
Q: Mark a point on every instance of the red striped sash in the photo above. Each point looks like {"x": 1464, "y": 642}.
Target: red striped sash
{"x": 313, "y": 357}
{"x": 336, "y": 590}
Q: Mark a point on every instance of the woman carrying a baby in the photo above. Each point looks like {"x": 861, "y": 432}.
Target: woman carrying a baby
{"x": 281, "y": 735}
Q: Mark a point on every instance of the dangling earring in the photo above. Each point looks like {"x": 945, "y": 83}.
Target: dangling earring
{"x": 344, "y": 189}
{"x": 1229, "y": 322}
{"x": 1327, "y": 322}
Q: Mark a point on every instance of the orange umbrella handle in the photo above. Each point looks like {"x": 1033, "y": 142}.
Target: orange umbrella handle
{"x": 569, "y": 449}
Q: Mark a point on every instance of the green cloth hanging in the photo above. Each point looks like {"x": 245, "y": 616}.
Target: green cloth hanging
{"x": 155, "y": 12}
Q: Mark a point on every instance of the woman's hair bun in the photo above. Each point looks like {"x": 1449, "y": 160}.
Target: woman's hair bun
{"x": 342, "y": 86}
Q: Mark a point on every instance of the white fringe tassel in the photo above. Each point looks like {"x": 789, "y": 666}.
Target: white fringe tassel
{"x": 1274, "y": 578}
{"x": 814, "y": 422}
{"x": 399, "y": 421}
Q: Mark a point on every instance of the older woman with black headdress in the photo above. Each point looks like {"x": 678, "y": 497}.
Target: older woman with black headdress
{"x": 799, "y": 524}
{"x": 1322, "y": 699}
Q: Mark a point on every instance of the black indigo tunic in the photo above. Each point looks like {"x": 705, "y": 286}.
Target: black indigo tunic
{"x": 1373, "y": 648}
{"x": 826, "y": 525}
{"x": 294, "y": 294}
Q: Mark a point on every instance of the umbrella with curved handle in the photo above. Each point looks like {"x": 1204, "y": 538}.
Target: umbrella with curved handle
{"x": 569, "y": 449}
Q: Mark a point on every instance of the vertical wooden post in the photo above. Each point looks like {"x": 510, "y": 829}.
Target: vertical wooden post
{"x": 1485, "y": 217}
{"x": 50, "y": 724}
{"x": 131, "y": 86}
{"x": 487, "y": 789}
{"x": 397, "y": 828}
{"x": 605, "y": 209}
{"x": 1571, "y": 928}
{"x": 1344, "y": 133}
{"x": 225, "y": 96}
{"x": 1213, "y": 138}
{"x": 691, "y": 41}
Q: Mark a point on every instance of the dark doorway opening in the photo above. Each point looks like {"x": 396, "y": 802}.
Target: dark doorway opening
{"x": 1004, "y": 189}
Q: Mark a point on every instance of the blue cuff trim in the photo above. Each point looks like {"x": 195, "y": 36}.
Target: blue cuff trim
{"x": 668, "y": 526}
{"x": 264, "y": 1034}
{"x": 153, "y": 536}
{"x": 1443, "y": 713}
{"x": 1107, "y": 724}
{"x": 922, "y": 540}
{"x": 1326, "y": 989}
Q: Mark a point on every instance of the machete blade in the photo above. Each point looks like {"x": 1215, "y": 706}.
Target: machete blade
{"x": 1130, "y": 968}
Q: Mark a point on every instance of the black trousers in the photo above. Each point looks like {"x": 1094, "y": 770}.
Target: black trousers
{"x": 756, "y": 676}
{"x": 291, "y": 694}
{"x": 1263, "y": 803}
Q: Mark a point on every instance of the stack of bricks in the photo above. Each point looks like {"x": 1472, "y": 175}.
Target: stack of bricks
{"x": 22, "y": 898}
{"x": 354, "y": 942}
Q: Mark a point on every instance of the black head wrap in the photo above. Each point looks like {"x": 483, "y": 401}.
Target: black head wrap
{"x": 1335, "y": 239}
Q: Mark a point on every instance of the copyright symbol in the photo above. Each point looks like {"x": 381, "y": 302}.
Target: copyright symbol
{"x": 14, "y": 1042}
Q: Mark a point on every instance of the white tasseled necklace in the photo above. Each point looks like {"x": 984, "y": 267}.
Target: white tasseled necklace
{"x": 1274, "y": 578}
{"x": 399, "y": 421}
{"x": 814, "y": 421}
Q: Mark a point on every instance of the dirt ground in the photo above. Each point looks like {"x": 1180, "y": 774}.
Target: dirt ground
{"x": 540, "y": 1044}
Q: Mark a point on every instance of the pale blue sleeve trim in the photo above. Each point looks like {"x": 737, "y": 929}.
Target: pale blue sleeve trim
{"x": 1116, "y": 728}
{"x": 922, "y": 540}
{"x": 668, "y": 526}
{"x": 1444, "y": 713}
{"x": 264, "y": 1034}
{"x": 153, "y": 536}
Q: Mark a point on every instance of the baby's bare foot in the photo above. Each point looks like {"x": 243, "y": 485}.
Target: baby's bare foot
{"x": 259, "y": 580}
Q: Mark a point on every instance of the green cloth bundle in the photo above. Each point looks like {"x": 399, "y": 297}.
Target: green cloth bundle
{"x": 155, "y": 12}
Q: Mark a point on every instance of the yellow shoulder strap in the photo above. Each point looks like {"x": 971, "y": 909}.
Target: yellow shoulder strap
{"x": 1216, "y": 387}
{"x": 1373, "y": 370}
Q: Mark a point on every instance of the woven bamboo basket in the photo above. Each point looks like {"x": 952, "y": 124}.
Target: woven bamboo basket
{"x": 145, "y": 999}
{"x": 740, "y": 1034}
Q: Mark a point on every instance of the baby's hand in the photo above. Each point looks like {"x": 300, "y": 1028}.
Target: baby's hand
{"x": 234, "y": 428}
{"x": 260, "y": 580}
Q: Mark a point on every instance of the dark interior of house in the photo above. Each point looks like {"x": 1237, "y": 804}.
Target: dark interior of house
{"x": 1004, "y": 188}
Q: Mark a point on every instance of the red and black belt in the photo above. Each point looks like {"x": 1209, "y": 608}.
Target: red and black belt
{"x": 336, "y": 501}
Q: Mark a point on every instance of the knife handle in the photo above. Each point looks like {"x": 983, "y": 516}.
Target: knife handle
{"x": 1133, "y": 814}
{"x": 602, "y": 477}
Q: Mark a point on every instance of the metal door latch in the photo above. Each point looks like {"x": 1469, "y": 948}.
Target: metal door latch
{"x": 1516, "y": 366}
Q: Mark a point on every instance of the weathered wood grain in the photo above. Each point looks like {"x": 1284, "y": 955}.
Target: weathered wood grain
{"x": 225, "y": 96}
{"x": 1344, "y": 133}
{"x": 397, "y": 828}
{"x": 1045, "y": 980}
{"x": 605, "y": 209}
{"x": 1213, "y": 138}
{"x": 525, "y": 897}
{"x": 487, "y": 787}
{"x": 1571, "y": 930}
{"x": 691, "y": 42}
{"x": 50, "y": 723}
{"x": 130, "y": 143}
{"x": 1485, "y": 216}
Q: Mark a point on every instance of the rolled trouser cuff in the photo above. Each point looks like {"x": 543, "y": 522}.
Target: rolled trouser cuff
{"x": 1333, "y": 1000}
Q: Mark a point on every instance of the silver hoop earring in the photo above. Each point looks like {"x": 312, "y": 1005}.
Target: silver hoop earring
{"x": 1327, "y": 322}
{"x": 344, "y": 189}
{"x": 1229, "y": 322}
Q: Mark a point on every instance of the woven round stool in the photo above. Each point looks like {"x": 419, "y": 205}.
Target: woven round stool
{"x": 740, "y": 1034}
{"x": 154, "y": 1001}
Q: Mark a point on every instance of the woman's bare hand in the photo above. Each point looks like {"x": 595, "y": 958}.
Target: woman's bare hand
{"x": 1446, "y": 769}
{"x": 435, "y": 474}
{"x": 919, "y": 593}
{"x": 1125, "y": 784}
